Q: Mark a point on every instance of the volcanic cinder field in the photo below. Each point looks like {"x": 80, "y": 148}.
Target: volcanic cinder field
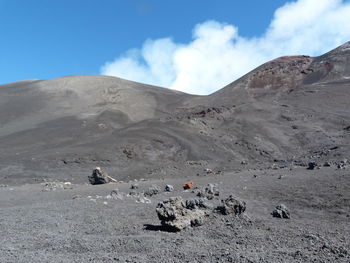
{"x": 278, "y": 135}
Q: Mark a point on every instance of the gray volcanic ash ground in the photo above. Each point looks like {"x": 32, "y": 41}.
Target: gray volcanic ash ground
{"x": 259, "y": 135}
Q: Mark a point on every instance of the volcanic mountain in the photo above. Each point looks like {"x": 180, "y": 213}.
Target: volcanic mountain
{"x": 289, "y": 111}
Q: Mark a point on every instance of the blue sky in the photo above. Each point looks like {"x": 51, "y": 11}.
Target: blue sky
{"x": 53, "y": 38}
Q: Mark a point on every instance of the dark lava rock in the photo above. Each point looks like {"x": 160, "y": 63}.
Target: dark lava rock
{"x": 232, "y": 206}
{"x": 134, "y": 186}
{"x": 175, "y": 214}
{"x": 281, "y": 211}
{"x": 312, "y": 165}
{"x": 98, "y": 177}
{"x": 342, "y": 164}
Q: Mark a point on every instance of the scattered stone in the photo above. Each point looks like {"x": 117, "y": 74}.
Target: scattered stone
{"x": 52, "y": 186}
{"x": 327, "y": 164}
{"x": 67, "y": 185}
{"x": 116, "y": 194}
{"x": 244, "y": 162}
{"x": 232, "y": 206}
{"x": 98, "y": 177}
{"x": 311, "y": 165}
{"x": 175, "y": 214}
{"x": 169, "y": 188}
{"x": 208, "y": 171}
{"x": 198, "y": 204}
{"x": 187, "y": 185}
{"x": 342, "y": 164}
{"x": 142, "y": 199}
{"x": 153, "y": 190}
{"x": 133, "y": 193}
{"x": 274, "y": 166}
{"x": 134, "y": 186}
{"x": 209, "y": 192}
{"x": 281, "y": 211}
{"x": 212, "y": 189}
{"x": 3, "y": 185}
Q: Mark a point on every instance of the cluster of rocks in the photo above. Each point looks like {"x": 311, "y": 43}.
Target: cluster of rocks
{"x": 338, "y": 164}
{"x": 177, "y": 214}
{"x": 52, "y": 186}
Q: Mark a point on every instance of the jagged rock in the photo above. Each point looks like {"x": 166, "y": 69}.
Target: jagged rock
{"x": 176, "y": 214}
{"x": 232, "y": 206}
{"x": 281, "y": 211}
{"x": 169, "y": 188}
{"x": 98, "y": 177}
{"x": 153, "y": 190}
{"x": 311, "y": 165}
{"x": 212, "y": 189}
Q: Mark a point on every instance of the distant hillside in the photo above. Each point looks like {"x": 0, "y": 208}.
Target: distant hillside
{"x": 288, "y": 111}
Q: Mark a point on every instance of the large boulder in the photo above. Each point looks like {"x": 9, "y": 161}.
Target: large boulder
{"x": 98, "y": 177}
{"x": 177, "y": 214}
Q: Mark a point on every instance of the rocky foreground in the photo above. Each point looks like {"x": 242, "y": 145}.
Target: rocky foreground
{"x": 264, "y": 162}
{"x": 120, "y": 222}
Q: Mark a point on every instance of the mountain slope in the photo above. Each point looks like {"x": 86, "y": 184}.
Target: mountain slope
{"x": 288, "y": 111}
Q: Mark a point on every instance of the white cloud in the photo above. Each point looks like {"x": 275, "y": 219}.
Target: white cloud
{"x": 217, "y": 54}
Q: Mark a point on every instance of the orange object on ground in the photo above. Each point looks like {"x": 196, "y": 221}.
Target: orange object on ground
{"x": 188, "y": 185}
